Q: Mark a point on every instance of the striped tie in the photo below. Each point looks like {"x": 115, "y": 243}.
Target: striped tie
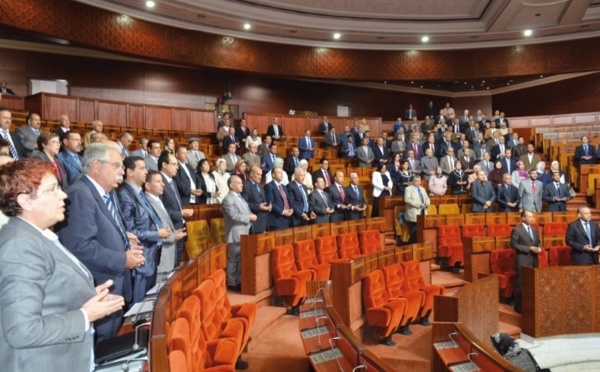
{"x": 11, "y": 146}
{"x": 113, "y": 211}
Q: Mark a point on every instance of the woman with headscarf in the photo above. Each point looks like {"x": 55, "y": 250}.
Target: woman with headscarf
{"x": 221, "y": 178}
{"x": 519, "y": 174}
{"x": 555, "y": 168}
{"x": 496, "y": 175}
{"x": 457, "y": 179}
{"x": 308, "y": 181}
{"x": 240, "y": 170}
{"x": 405, "y": 177}
{"x": 47, "y": 296}
{"x": 543, "y": 176}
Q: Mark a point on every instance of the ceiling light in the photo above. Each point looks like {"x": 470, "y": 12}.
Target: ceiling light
{"x": 385, "y": 82}
{"x": 150, "y": 4}
{"x": 527, "y": 33}
{"x": 541, "y": 76}
{"x": 247, "y": 26}
{"x": 425, "y": 39}
{"x": 337, "y": 35}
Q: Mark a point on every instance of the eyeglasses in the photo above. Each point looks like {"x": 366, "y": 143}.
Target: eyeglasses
{"x": 55, "y": 189}
{"x": 116, "y": 165}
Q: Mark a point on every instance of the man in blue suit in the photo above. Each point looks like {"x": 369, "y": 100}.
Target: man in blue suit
{"x": 277, "y": 195}
{"x": 269, "y": 158}
{"x": 94, "y": 230}
{"x": 306, "y": 145}
{"x": 141, "y": 219}
{"x": 69, "y": 156}
{"x": 299, "y": 199}
{"x": 255, "y": 196}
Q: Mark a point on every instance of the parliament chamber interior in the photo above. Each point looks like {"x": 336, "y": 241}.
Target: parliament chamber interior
{"x": 408, "y": 278}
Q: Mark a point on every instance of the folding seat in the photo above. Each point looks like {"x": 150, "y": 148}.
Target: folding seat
{"x": 210, "y": 356}
{"x": 560, "y": 256}
{"x": 394, "y": 285}
{"x": 348, "y": 245}
{"x": 326, "y": 248}
{"x": 502, "y": 263}
{"x": 432, "y": 209}
{"x": 448, "y": 209}
{"x": 450, "y": 245}
{"x": 289, "y": 281}
{"x": 245, "y": 312}
{"x": 369, "y": 241}
{"x": 413, "y": 281}
{"x": 306, "y": 259}
{"x": 501, "y": 230}
{"x": 383, "y": 312}
{"x": 543, "y": 258}
{"x": 471, "y": 231}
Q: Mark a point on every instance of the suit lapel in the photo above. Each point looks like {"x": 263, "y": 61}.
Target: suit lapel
{"x": 103, "y": 206}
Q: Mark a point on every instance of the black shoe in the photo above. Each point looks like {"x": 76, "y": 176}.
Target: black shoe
{"x": 511, "y": 302}
{"x": 387, "y": 341}
{"x": 295, "y": 310}
{"x": 518, "y": 309}
{"x": 235, "y": 288}
{"x": 424, "y": 322}
{"x": 404, "y": 331}
{"x": 240, "y": 364}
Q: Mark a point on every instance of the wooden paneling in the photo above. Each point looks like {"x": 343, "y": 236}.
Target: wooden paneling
{"x": 136, "y": 116}
{"x": 87, "y": 111}
{"x": 180, "y": 120}
{"x": 53, "y": 106}
{"x": 112, "y": 113}
{"x": 297, "y": 125}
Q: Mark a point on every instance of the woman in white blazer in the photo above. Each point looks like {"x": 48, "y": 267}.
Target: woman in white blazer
{"x": 382, "y": 186}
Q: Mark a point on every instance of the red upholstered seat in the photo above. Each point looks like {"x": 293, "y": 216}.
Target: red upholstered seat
{"x": 450, "y": 244}
{"x": 348, "y": 245}
{"x": 413, "y": 281}
{"x": 501, "y": 230}
{"x": 306, "y": 259}
{"x": 471, "y": 231}
{"x": 502, "y": 263}
{"x": 555, "y": 228}
{"x": 289, "y": 281}
{"x": 543, "y": 258}
{"x": 370, "y": 241}
{"x": 394, "y": 284}
{"x": 560, "y": 256}
{"x": 177, "y": 361}
{"x": 383, "y": 312}
{"x": 326, "y": 248}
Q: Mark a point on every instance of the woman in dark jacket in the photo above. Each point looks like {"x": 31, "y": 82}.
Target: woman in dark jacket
{"x": 205, "y": 181}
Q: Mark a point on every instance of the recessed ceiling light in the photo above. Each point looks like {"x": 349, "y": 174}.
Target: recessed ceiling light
{"x": 385, "y": 82}
{"x": 507, "y": 83}
{"x": 150, "y": 4}
{"x": 527, "y": 33}
{"x": 247, "y": 26}
{"x": 425, "y": 39}
{"x": 337, "y": 35}
{"x": 487, "y": 88}
{"x": 541, "y": 76}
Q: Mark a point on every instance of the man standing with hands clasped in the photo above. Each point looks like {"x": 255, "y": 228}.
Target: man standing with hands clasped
{"x": 525, "y": 240}
{"x": 583, "y": 236}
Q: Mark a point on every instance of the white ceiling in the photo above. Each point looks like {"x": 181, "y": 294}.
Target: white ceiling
{"x": 376, "y": 24}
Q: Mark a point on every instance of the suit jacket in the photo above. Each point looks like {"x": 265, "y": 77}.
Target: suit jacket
{"x": 172, "y": 203}
{"x": 482, "y": 193}
{"x": 192, "y": 161}
{"x": 18, "y": 145}
{"x": 255, "y": 196}
{"x": 476, "y": 147}
{"x": 467, "y": 164}
{"x": 271, "y": 131}
{"x": 297, "y": 202}
{"x": 72, "y": 167}
{"x": 184, "y": 183}
{"x": 443, "y": 148}
{"x": 529, "y": 200}
{"x": 236, "y": 214}
{"x": 413, "y": 202}
{"x": 241, "y": 133}
{"x": 332, "y": 140}
{"x": 488, "y": 169}
{"x": 500, "y": 121}
{"x": 380, "y": 155}
{"x": 519, "y": 151}
{"x": 529, "y": 165}
{"x": 580, "y": 153}
{"x": 63, "y": 179}
{"x": 418, "y": 154}
{"x": 508, "y": 194}
{"x": 139, "y": 152}
{"x": 307, "y": 147}
{"x": 41, "y": 326}
{"x": 325, "y": 129}
{"x": 506, "y": 161}
{"x": 550, "y": 193}
{"x": 520, "y": 241}
{"x": 356, "y": 199}
{"x": 319, "y": 204}
{"x": 61, "y": 134}
{"x": 28, "y": 138}
{"x": 251, "y": 160}
{"x": 345, "y": 150}
{"x": 415, "y": 166}
{"x": 267, "y": 160}
{"x": 576, "y": 238}
{"x": 336, "y": 199}
{"x": 150, "y": 163}
{"x": 169, "y": 249}
{"x": 321, "y": 173}
{"x": 276, "y": 220}
{"x": 496, "y": 153}
{"x": 365, "y": 157}
{"x": 230, "y": 163}
{"x": 228, "y": 141}
{"x": 428, "y": 165}
{"x": 447, "y": 168}
{"x": 289, "y": 166}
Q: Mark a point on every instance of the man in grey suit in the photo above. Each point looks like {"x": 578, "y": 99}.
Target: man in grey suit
{"x": 413, "y": 164}
{"x": 142, "y": 152}
{"x": 530, "y": 192}
{"x": 194, "y": 154}
{"x": 231, "y": 158}
{"x": 448, "y": 161}
{"x": 365, "y": 154}
{"x": 154, "y": 151}
{"x": 429, "y": 164}
{"x": 251, "y": 157}
{"x": 525, "y": 240}
{"x": 29, "y": 133}
{"x": 124, "y": 142}
{"x": 483, "y": 194}
{"x": 238, "y": 220}
{"x": 320, "y": 202}
{"x": 155, "y": 187}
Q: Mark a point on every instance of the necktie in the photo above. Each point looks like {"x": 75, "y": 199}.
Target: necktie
{"x": 36, "y": 131}
{"x": 557, "y": 189}
{"x": 13, "y": 151}
{"x": 304, "y": 200}
{"x": 197, "y": 156}
{"x": 232, "y": 138}
{"x": 342, "y": 193}
{"x": 327, "y": 181}
{"x": 451, "y": 159}
{"x": 233, "y": 159}
{"x": 325, "y": 199}
{"x": 530, "y": 233}
{"x": 433, "y": 148}
{"x": 487, "y": 167}
{"x": 588, "y": 233}
{"x": 420, "y": 195}
{"x": 356, "y": 190}
{"x": 508, "y": 166}
{"x": 285, "y": 201}
{"x": 115, "y": 215}
{"x": 150, "y": 209}
{"x": 76, "y": 158}
{"x": 276, "y": 130}
{"x": 415, "y": 149}
{"x": 295, "y": 161}
{"x": 533, "y": 186}
{"x": 172, "y": 184}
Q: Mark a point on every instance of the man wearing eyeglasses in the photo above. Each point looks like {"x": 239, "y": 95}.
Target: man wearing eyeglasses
{"x": 94, "y": 230}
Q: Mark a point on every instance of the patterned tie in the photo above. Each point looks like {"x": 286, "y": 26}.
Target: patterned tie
{"x": 284, "y": 197}
{"x": 304, "y": 200}
{"x": 115, "y": 215}
{"x": 13, "y": 151}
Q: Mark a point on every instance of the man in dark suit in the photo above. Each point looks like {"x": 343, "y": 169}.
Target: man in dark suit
{"x": 185, "y": 178}
{"x": 348, "y": 149}
{"x": 585, "y": 153}
{"x": 483, "y": 194}
{"x": 320, "y": 203}
{"x": 325, "y": 126}
{"x": 382, "y": 155}
{"x": 242, "y": 132}
{"x": 444, "y": 145}
{"x": 498, "y": 151}
{"x": 525, "y": 240}
{"x": 508, "y": 195}
{"x": 5, "y": 90}
{"x": 254, "y": 194}
{"x": 140, "y": 219}
{"x": 230, "y": 139}
{"x": 94, "y": 230}
{"x": 338, "y": 198}
{"x": 275, "y": 130}
{"x": 17, "y": 151}
{"x": 69, "y": 156}
{"x": 410, "y": 112}
{"x": 332, "y": 139}
{"x": 323, "y": 172}
{"x": 501, "y": 120}
{"x": 583, "y": 236}
{"x": 556, "y": 194}
{"x": 278, "y": 197}
{"x": 291, "y": 162}
{"x": 520, "y": 149}
{"x": 299, "y": 199}
{"x": 168, "y": 165}
{"x": 28, "y": 134}
{"x": 509, "y": 164}
{"x": 355, "y": 197}
{"x": 63, "y": 128}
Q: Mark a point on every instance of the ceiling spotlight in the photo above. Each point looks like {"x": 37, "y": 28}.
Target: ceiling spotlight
{"x": 527, "y": 33}
{"x": 385, "y": 82}
{"x": 541, "y": 76}
{"x": 337, "y": 35}
{"x": 247, "y": 26}
{"x": 425, "y": 39}
{"x": 150, "y": 4}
